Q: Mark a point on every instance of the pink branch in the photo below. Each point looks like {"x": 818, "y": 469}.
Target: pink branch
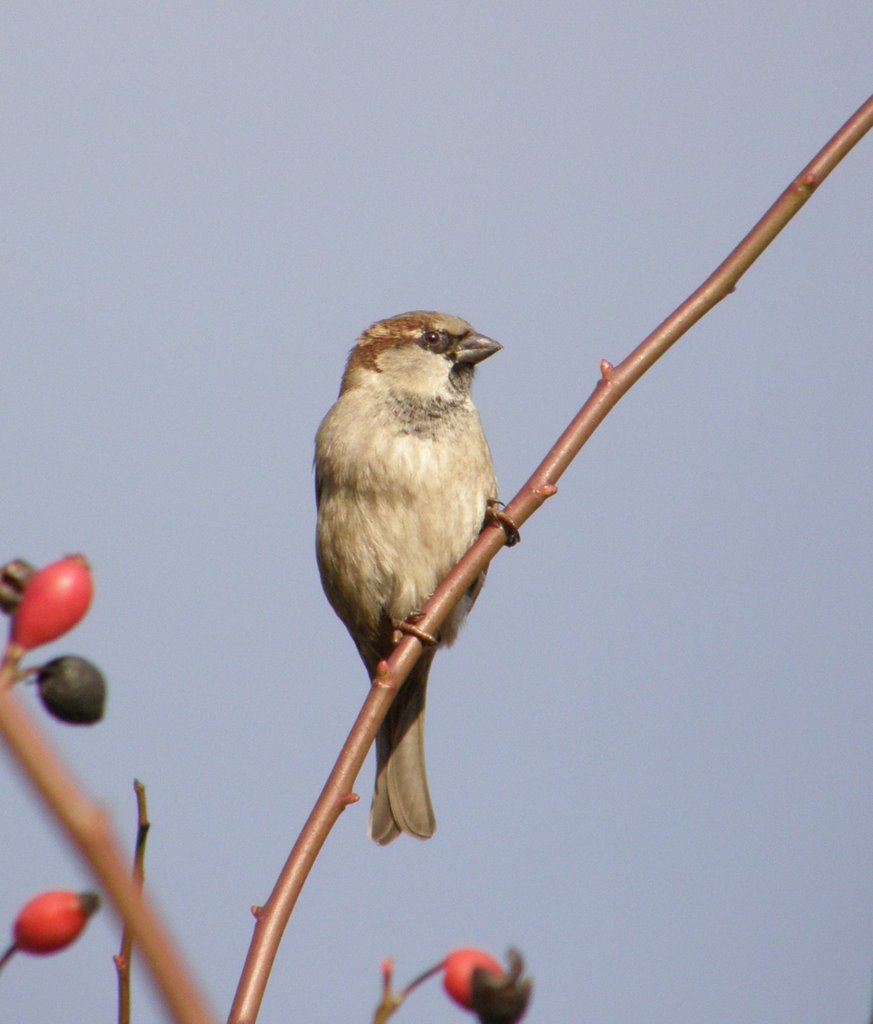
{"x": 615, "y": 381}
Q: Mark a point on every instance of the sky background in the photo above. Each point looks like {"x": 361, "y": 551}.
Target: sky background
{"x": 650, "y": 750}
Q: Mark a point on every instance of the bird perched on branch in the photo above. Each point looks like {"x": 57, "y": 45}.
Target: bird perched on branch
{"x": 404, "y": 481}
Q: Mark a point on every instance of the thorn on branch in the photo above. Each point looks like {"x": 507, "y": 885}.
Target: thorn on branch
{"x": 383, "y": 675}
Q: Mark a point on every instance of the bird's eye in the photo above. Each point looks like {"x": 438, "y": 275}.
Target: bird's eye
{"x": 432, "y": 339}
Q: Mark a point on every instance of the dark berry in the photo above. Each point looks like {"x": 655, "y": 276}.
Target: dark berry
{"x": 14, "y": 577}
{"x": 72, "y": 689}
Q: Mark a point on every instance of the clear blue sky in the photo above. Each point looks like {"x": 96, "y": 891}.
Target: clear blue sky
{"x": 650, "y": 751}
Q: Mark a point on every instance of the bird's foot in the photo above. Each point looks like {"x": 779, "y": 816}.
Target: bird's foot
{"x": 407, "y": 627}
{"x": 494, "y": 514}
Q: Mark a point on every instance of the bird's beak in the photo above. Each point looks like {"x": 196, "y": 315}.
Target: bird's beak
{"x": 474, "y": 348}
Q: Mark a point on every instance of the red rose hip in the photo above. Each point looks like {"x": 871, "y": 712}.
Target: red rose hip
{"x": 53, "y": 920}
{"x": 458, "y": 968}
{"x": 55, "y": 599}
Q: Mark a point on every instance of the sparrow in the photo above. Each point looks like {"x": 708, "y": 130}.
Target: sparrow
{"x": 404, "y": 482}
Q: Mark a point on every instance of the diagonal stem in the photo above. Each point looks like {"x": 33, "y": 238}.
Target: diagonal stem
{"x": 88, "y": 828}
{"x": 615, "y": 381}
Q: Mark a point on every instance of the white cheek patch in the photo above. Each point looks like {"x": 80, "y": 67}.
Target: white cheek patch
{"x": 408, "y": 368}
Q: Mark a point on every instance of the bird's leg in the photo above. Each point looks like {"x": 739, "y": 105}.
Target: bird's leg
{"x": 494, "y": 514}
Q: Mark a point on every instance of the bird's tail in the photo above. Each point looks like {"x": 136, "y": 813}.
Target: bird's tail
{"x": 401, "y": 801}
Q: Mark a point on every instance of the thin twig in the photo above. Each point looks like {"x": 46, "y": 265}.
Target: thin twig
{"x": 88, "y": 828}
{"x": 615, "y": 381}
{"x": 125, "y": 953}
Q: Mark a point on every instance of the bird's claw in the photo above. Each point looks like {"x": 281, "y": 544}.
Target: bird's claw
{"x": 405, "y": 627}
{"x": 494, "y": 514}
